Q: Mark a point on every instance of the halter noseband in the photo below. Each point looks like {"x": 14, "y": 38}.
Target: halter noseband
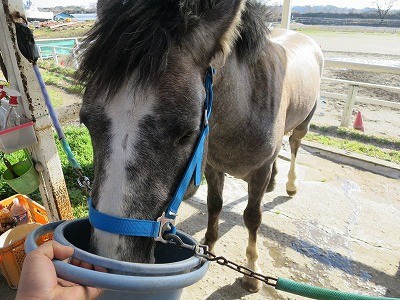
{"x": 165, "y": 223}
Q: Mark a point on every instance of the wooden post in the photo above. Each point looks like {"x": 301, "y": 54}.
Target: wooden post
{"x": 55, "y": 58}
{"x": 22, "y": 78}
{"x": 348, "y": 108}
{"x": 286, "y": 14}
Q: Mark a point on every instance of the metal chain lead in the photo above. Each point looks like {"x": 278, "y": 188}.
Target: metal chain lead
{"x": 202, "y": 251}
{"x": 239, "y": 268}
{"x": 83, "y": 182}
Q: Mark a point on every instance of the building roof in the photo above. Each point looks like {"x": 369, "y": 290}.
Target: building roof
{"x": 63, "y": 16}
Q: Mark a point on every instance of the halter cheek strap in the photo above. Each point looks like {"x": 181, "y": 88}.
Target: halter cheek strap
{"x": 165, "y": 223}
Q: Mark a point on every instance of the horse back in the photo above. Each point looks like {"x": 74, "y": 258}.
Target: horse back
{"x": 303, "y": 62}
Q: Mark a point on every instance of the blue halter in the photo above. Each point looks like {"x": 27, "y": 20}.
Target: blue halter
{"x": 165, "y": 223}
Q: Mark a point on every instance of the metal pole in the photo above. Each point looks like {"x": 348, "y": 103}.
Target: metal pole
{"x": 22, "y": 78}
{"x": 286, "y": 14}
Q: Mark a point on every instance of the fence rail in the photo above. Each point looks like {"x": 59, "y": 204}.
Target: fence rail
{"x": 361, "y": 66}
{"x": 49, "y": 49}
{"x": 393, "y": 23}
{"x": 351, "y": 97}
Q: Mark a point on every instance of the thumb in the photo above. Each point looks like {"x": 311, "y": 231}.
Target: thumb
{"x": 52, "y": 249}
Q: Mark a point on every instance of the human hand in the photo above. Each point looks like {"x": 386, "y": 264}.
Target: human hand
{"x": 39, "y": 279}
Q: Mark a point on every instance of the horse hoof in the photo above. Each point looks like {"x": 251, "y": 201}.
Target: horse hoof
{"x": 291, "y": 193}
{"x": 291, "y": 189}
{"x": 251, "y": 284}
{"x": 208, "y": 243}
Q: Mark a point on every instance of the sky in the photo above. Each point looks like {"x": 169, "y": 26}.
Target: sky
{"x": 338, "y": 3}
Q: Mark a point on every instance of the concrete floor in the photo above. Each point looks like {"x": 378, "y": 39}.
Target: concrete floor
{"x": 340, "y": 231}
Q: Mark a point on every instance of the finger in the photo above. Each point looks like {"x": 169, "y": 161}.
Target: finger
{"x": 86, "y": 265}
{"x": 75, "y": 262}
{"x": 93, "y": 293}
{"x": 52, "y": 249}
{"x": 100, "y": 269}
{"x": 78, "y": 263}
{"x": 62, "y": 252}
{"x": 66, "y": 283}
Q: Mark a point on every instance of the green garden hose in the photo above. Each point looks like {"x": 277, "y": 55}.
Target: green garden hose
{"x": 314, "y": 292}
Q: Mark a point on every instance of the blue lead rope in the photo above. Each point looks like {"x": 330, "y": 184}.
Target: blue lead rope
{"x": 154, "y": 229}
{"x": 193, "y": 169}
{"x": 56, "y": 123}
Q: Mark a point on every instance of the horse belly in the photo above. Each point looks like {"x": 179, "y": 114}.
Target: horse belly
{"x": 243, "y": 153}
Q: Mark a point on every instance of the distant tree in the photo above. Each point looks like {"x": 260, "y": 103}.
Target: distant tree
{"x": 93, "y": 6}
{"x": 383, "y": 7}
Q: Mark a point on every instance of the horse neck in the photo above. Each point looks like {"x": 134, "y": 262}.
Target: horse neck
{"x": 232, "y": 85}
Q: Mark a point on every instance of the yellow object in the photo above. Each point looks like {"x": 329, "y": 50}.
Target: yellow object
{"x": 12, "y": 251}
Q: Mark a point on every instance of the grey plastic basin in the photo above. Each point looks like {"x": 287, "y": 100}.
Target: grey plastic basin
{"x": 174, "y": 269}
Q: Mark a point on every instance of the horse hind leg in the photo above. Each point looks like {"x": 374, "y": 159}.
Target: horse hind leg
{"x": 295, "y": 140}
{"x": 215, "y": 182}
{"x": 272, "y": 181}
{"x": 252, "y": 219}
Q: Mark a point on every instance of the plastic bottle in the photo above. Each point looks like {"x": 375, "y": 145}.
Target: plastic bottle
{"x": 19, "y": 212}
{"x": 12, "y": 119}
{"x": 6, "y": 219}
{"x": 3, "y": 93}
{"x": 3, "y": 107}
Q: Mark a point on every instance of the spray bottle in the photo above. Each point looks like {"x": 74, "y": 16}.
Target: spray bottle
{"x": 19, "y": 212}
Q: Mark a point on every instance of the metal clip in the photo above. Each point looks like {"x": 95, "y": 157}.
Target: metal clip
{"x": 166, "y": 224}
{"x": 205, "y": 117}
{"x": 84, "y": 184}
{"x": 199, "y": 250}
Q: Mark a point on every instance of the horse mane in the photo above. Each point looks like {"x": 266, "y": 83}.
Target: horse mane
{"x": 138, "y": 35}
{"x": 253, "y": 33}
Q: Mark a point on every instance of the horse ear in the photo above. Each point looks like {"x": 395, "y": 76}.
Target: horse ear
{"x": 216, "y": 31}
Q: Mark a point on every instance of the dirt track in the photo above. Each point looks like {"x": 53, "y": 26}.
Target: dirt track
{"x": 370, "y": 48}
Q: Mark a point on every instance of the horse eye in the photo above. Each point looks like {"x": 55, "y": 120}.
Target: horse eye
{"x": 186, "y": 137}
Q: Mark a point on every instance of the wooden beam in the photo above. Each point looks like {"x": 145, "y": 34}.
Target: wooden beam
{"x": 22, "y": 78}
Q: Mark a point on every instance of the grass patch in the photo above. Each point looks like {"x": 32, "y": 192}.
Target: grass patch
{"x": 78, "y": 30}
{"x": 317, "y": 30}
{"x": 79, "y": 140}
{"x": 354, "y": 141}
{"x": 351, "y": 134}
{"x": 56, "y": 98}
{"x": 60, "y": 77}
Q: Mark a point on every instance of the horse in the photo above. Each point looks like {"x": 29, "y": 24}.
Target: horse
{"x": 143, "y": 66}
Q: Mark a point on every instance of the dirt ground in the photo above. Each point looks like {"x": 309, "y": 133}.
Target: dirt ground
{"x": 378, "y": 120}
{"x": 373, "y": 47}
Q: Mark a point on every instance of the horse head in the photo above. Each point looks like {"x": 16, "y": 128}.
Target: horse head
{"x": 144, "y": 65}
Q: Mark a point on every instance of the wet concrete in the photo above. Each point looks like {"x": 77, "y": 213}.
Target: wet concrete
{"x": 339, "y": 232}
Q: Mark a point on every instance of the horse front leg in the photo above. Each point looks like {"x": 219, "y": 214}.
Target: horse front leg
{"x": 215, "y": 183}
{"x": 252, "y": 219}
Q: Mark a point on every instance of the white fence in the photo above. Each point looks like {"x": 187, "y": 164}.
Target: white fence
{"x": 57, "y": 50}
{"x": 353, "y": 87}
